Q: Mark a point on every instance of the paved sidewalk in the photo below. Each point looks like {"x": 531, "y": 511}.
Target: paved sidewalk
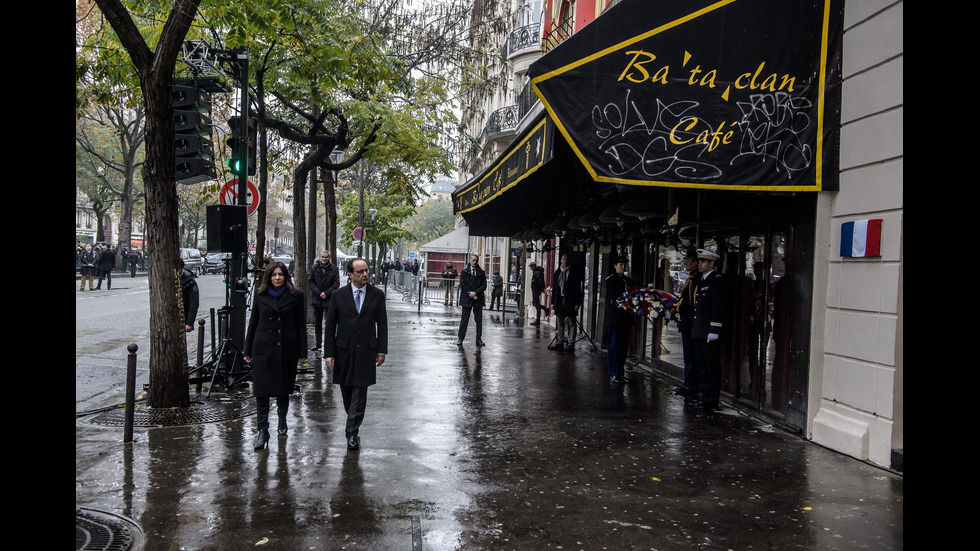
{"x": 510, "y": 447}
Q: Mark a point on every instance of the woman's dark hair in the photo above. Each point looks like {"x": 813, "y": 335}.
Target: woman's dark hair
{"x": 267, "y": 277}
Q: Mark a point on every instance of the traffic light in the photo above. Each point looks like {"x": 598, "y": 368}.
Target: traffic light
{"x": 242, "y": 148}
{"x": 194, "y": 155}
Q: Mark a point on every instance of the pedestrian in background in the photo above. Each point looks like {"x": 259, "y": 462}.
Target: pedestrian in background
{"x": 275, "y": 342}
{"x": 567, "y": 298}
{"x": 134, "y": 260}
{"x": 497, "y": 291}
{"x": 472, "y": 288}
{"x": 191, "y": 296}
{"x": 537, "y": 287}
{"x": 448, "y": 281}
{"x": 87, "y": 259}
{"x": 356, "y": 343}
{"x": 323, "y": 281}
{"x": 106, "y": 263}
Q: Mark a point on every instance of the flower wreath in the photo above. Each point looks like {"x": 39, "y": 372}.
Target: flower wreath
{"x": 648, "y": 303}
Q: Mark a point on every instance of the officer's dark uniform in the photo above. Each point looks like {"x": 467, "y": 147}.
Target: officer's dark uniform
{"x": 709, "y": 310}
{"x": 619, "y": 325}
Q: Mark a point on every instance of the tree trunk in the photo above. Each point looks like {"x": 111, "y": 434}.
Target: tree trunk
{"x": 299, "y": 222}
{"x": 330, "y": 211}
{"x": 126, "y": 201}
{"x": 168, "y": 348}
{"x": 262, "y": 169}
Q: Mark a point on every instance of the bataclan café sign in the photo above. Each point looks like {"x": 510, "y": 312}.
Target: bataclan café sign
{"x": 733, "y": 94}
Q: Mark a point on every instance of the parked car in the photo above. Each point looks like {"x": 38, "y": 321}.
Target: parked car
{"x": 192, "y": 260}
{"x": 214, "y": 263}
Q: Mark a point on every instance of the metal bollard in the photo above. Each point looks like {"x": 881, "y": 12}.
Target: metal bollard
{"x": 213, "y": 344}
{"x": 200, "y": 350}
{"x": 130, "y": 394}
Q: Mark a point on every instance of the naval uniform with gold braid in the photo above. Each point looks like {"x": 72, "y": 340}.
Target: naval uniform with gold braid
{"x": 709, "y": 312}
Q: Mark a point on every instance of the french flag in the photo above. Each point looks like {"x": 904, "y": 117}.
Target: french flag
{"x": 861, "y": 238}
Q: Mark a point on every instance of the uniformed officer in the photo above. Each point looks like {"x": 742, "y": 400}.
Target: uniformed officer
{"x": 619, "y": 323}
{"x": 706, "y": 329}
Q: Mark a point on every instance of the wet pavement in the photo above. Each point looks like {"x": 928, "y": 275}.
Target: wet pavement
{"x": 509, "y": 446}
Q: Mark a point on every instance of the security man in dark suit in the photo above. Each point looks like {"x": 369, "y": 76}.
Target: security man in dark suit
{"x": 356, "y": 342}
{"x": 709, "y": 312}
{"x": 472, "y": 291}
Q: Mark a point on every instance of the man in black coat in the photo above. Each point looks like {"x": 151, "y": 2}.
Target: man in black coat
{"x": 567, "y": 298}
{"x": 709, "y": 313}
{"x": 106, "y": 262}
{"x": 134, "y": 260}
{"x": 356, "y": 342}
{"x": 472, "y": 291}
{"x": 537, "y": 287}
{"x": 191, "y": 297}
{"x": 323, "y": 281}
{"x": 88, "y": 268}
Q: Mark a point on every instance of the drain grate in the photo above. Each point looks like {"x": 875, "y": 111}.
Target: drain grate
{"x": 96, "y": 530}
{"x": 210, "y": 411}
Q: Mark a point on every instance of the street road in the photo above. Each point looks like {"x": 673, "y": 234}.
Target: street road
{"x": 108, "y": 321}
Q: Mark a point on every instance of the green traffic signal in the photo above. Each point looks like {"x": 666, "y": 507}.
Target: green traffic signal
{"x": 235, "y": 165}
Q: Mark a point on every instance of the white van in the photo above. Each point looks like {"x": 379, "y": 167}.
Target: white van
{"x": 192, "y": 260}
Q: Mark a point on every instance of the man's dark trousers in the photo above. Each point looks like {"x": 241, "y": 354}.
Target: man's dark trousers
{"x": 355, "y": 402}
{"x": 708, "y": 364}
{"x": 318, "y": 316}
{"x": 478, "y": 314}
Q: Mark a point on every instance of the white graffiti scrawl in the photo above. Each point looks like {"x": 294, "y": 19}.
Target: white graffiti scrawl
{"x": 675, "y": 141}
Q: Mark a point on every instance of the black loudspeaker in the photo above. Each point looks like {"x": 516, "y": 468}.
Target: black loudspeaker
{"x": 227, "y": 228}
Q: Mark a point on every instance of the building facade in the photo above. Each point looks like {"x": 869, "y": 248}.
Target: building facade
{"x": 650, "y": 132}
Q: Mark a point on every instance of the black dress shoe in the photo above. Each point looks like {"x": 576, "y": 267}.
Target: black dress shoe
{"x": 480, "y": 343}
{"x": 353, "y": 442}
{"x": 459, "y": 342}
{"x": 535, "y": 323}
{"x": 262, "y": 440}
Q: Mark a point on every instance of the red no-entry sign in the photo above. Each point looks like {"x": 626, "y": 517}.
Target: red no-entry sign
{"x": 229, "y": 195}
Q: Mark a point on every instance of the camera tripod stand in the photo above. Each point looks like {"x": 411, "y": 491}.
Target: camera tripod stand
{"x": 581, "y": 336}
{"x": 224, "y": 365}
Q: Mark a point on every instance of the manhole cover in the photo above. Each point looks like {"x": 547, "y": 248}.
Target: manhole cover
{"x": 99, "y": 530}
{"x": 209, "y": 411}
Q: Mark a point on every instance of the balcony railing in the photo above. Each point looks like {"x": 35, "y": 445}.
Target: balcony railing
{"x": 557, "y": 35}
{"x": 526, "y": 101}
{"x": 522, "y": 38}
{"x": 505, "y": 118}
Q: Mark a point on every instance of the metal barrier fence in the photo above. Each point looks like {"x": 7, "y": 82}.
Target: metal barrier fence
{"x": 425, "y": 291}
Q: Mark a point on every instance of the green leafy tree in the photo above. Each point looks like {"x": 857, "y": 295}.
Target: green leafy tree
{"x": 433, "y": 218}
{"x": 111, "y": 136}
{"x": 152, "y": 52}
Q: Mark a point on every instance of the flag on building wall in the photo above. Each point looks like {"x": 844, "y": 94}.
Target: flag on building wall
{"x": 861, "y": 238}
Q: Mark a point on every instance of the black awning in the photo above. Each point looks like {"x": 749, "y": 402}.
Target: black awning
{"x": 730, "y": 94}
{"x": 533, "y": 181}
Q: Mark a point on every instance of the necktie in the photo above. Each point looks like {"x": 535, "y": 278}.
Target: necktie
{"x": 357, "y": 300}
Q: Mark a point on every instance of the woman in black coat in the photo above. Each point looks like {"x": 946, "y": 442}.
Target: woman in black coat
{"x": 274, "y": 344}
